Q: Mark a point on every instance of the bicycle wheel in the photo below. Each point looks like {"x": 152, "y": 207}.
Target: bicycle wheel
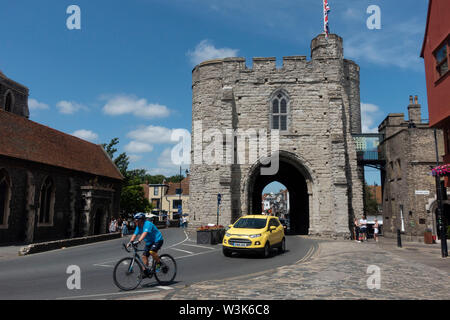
{"x": 168, "y": 270}
{"x": 127, "y": 274}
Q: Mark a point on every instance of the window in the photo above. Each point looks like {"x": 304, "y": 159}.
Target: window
{"x": 176, "y": 203}
{"x": 5, "y": 195}
{"x": 9, "y": 101}
{"x": 279, "y": 110}
{"x": 442, "y": 60}
{"x": 47, "y": 202}
{"x": 155, "y": 191}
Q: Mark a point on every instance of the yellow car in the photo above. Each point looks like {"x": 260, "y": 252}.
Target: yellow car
{"x": 255, "y": 233}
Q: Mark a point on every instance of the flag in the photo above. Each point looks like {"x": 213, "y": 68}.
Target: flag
{"x": 326, "y": 10}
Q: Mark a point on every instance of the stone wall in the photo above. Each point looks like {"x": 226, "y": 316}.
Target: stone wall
{"x": 324, "y": 110}
{"x": 410, "y": 155}
{"x": 19, "y": 94}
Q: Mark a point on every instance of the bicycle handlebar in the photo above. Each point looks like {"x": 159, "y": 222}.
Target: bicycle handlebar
{"x": 134, "y": 247}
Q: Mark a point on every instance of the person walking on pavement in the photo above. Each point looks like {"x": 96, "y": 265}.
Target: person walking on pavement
{"x": 363, "y": 228}
{"x": 112, "y": 226}
{"x": 124, "y": 228}
{"x": 376, "y": 230}
{"x": 356, "y": 222}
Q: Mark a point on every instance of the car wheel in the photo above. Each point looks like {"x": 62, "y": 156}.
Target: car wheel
{"x": 227, "y": 253}
{"x": 282, "y": 247}
{"x": 266, "y": 251}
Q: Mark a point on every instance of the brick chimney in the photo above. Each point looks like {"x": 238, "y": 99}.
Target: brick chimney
{"x": 414, "y": 110}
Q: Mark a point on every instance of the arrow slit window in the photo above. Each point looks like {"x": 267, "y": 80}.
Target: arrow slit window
{"x": 279, "y": 112}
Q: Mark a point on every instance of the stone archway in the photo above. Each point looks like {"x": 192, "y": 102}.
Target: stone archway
{"x": 296, "y": 177}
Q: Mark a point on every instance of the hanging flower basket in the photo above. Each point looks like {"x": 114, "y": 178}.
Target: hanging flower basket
{"x": 443, "y": 170}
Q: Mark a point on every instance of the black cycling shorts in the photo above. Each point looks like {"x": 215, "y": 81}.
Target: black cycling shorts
{"x": 153, "y": 247}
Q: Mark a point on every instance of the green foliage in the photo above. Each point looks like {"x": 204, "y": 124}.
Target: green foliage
{"x": 122, "y": 161}
{"x": 133, "y": 200}
{"x": 370, "y": 202}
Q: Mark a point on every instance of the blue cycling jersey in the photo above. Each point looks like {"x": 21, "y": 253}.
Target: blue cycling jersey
{"x": 153, "y": 234}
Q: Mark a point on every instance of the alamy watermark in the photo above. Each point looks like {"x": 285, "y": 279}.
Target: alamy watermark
{"x": 73, "y": 22}
{"x": 74, "y": 280}
{"x": 374, "y": 280}
{"x": 226, "y": 147}
{"x": 374, "y": 21}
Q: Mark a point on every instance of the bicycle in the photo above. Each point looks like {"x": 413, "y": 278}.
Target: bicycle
{"x": 130, "y": 271}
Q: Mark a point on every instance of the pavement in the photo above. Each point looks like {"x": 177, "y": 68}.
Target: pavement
{"x": 339, "y": 270}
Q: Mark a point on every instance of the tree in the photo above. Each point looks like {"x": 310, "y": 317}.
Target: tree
{"x": 133, "y": 200}
{"x": 370, "y": 202}
{"x": 122, "y": 161}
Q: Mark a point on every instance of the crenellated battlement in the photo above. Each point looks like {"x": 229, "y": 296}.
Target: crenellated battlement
{"x": 323, "y": 50}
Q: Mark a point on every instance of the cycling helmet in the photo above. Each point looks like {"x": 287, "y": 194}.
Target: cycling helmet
{"x": 139, "y": 216}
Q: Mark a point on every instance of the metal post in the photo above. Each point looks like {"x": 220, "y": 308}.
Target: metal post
{"x": 399, "y": 238}
{"x": 442, "y": 230}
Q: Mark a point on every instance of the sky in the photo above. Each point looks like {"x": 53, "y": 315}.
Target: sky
{"x": 126, "y": 72}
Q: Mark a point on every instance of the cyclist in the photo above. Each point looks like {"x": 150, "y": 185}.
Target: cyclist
{"x": 152, "y": 236}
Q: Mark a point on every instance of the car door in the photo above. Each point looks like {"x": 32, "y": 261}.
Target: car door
{"x": 279, "y": 231}
{"x": 272, "y": 234}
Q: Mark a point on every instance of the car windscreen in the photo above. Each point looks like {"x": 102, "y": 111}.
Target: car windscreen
{"x": 249, "y": 223}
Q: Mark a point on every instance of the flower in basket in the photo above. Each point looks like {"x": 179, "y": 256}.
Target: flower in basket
{"x": 441, "y": 170}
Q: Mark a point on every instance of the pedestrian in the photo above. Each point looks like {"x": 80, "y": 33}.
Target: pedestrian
{"x": 356, "y": 222}
{"x": 124, "y": 228}
{"x": 376, "y": 230}
{"x": 363, "y": 228}
{"x": 113, "y": 226}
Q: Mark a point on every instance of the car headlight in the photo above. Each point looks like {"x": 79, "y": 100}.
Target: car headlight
{"x": 255, "y": 236}
{"x": 227, "y": 234}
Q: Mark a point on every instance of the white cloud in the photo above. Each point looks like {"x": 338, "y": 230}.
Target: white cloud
{"x": 152, "y": 135}
{"x": 394, "y": 45}
{"x": 207, "y": 51}
{"x": 33, "y": 104}
{"x": 138, "y": 147}
{"x": 370, "y": 117}
{"x": 134, "y": 157}
{"x": 129, "y": 104}
{"x": 86, "y": 135}
{"x": 69, "y": 107}
{"x": 165, "y": 165}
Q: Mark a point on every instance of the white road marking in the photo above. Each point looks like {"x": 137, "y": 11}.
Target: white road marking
{"x": 192, "y": 255}
{"x": 174, "y": 245}
{"x": 106, "y": 294}
{"x": 182, "y": 250}
{"x": 193, "y": 245}
{"x": 165, "y": 288}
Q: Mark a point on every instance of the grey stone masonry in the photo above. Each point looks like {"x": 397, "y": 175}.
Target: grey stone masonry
{"x": 323, "y": 111}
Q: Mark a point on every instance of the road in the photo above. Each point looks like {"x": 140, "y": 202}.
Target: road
{"x": 44, "y": 275}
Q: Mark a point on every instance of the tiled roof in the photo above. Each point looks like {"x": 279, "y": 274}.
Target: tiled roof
{"x": 173, "y": 186}
{"x": 25, "y": 139}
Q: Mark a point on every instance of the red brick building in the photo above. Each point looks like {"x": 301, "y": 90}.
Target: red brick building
{"x": 436, "y": 54}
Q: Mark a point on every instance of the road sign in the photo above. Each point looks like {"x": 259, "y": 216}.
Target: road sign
{"x": 219, "y": 198}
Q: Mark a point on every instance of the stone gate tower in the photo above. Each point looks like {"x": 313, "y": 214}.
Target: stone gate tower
{"x": 314, "y": 104}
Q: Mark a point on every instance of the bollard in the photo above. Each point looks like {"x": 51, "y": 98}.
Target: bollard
{"x": 399, "y": 239}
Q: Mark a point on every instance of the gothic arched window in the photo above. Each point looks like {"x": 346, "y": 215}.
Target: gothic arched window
{"x": 5, "y": 196}
{"x": 9, "y": 101}
{"x": 47, "y": 202}
{"x": 279, "y": 112}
